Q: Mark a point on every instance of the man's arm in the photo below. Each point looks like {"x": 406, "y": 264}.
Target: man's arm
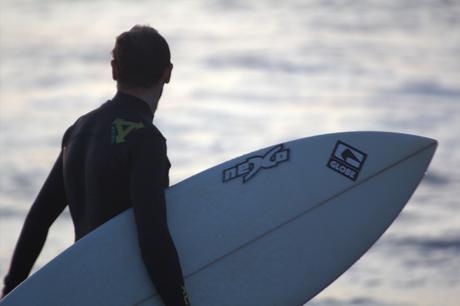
{"x": 147, "y": 183}
{"x": 49, "y": 203}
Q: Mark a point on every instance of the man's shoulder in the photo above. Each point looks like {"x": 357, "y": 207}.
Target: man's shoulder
{"x": 133, "y": 131}
{"x": 155, "y": 132}
{"x": 86, "y": 121}
{"x": 125, "y": 126}
{"x": 94, "y": 115}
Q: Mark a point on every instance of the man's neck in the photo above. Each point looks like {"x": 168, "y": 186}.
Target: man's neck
{"x": 150, "y": 95}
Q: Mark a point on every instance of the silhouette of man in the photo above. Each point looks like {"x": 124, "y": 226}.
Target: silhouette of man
{"x": 114, "y": 158}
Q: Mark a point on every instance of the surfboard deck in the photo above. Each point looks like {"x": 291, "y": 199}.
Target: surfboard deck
{"x": 272, "y": 227}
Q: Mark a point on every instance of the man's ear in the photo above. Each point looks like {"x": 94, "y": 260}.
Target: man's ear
{"x": 166, "y": 77}
{"x": 114, "y": 70}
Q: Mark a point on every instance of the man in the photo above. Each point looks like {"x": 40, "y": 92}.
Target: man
{"x": 114, "y": 158}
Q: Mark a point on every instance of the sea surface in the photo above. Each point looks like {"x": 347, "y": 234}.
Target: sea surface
{"x": 248, "y": 74}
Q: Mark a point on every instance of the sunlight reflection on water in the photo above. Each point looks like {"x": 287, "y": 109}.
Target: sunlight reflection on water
{"x": 247, "y": 75}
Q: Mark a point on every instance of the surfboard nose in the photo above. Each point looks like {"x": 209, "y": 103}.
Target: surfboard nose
{"x": 418, "y": 144}
{"x": 398, "y": 141}
{"x": 421, "y": 140}
{"x": 429, "y": 144}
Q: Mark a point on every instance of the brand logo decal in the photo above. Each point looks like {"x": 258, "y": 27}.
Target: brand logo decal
{"x": 347, "y": 160}
{"x": 121, "y": 128}
{"x": 249, "y": 168}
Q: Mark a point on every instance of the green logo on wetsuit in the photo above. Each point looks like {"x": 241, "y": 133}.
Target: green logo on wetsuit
{"x": 121, "y": 128}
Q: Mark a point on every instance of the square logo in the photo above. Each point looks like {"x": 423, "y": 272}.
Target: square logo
{"x": 347, "y": 160}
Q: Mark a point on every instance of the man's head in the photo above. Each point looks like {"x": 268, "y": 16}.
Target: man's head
{"x": 141, "y": 58}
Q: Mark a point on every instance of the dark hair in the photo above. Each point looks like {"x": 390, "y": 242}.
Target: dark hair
{"x": 140, "y": 55}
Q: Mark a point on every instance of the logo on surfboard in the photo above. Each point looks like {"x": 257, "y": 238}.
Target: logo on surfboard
{"x": 251, "y": 166}
{"x": 346, "y": 160}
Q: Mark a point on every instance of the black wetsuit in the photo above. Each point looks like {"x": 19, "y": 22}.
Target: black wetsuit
{"x": 112, "y": 158}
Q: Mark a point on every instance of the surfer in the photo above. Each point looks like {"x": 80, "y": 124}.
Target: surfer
{"x": 111, "y": 159}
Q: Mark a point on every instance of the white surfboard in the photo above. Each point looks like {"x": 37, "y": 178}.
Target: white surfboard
{"x": 273, "y": 227}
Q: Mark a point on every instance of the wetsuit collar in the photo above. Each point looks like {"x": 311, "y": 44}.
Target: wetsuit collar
{"x": 133, "y": 102}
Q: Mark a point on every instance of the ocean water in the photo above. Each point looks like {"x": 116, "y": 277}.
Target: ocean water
{"x": 249, "y": 74}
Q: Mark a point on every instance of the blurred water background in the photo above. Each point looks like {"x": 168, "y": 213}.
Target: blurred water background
{"x": 249, "y": 74}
